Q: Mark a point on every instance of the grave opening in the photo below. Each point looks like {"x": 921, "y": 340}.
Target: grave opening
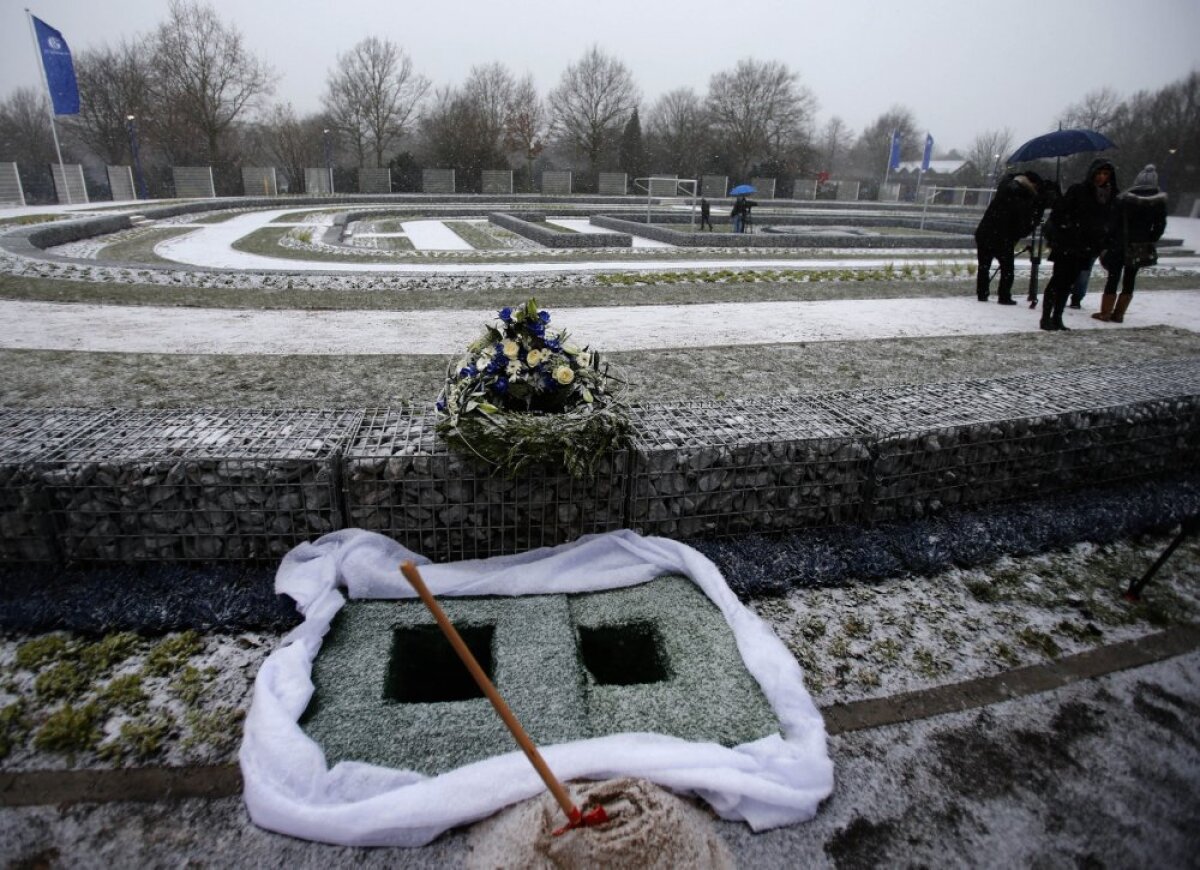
{"x": 424, "y": 669}
{"x": 623, "y": 655}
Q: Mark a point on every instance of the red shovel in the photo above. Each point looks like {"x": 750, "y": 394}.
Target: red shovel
{"x": 575, "y": 818}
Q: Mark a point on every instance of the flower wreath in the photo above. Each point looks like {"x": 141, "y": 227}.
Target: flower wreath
{"x": 523, "y": 396}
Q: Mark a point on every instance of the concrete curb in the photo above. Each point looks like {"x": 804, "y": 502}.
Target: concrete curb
{"x": 51, "y": 787}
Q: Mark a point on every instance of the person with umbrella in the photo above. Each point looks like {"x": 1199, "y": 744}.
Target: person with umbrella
{"x": 1140, "y": 221}
{"x": 1079, "y": 227}
{"x": 1057, "y": 144}
{"x": 1016, "y": 208}
{"x": 741, "y": 207}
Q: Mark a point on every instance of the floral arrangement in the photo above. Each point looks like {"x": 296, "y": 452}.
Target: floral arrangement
{"x": 526, "y": 396}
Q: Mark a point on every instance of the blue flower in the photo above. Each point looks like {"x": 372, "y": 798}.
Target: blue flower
{"x": 468, "y": 371}
{"x": 538, "y": 329}
{"x": 501, "y": 385}
{"x": 544, "y": 316}
{"x": 506, "y": 314}
{"x": 553, "y": 344}
{"x": 441, "y": 403}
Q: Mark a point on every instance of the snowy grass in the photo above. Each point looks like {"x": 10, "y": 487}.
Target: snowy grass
{"x": 36, "y": 378}
{"x": 137, "y": 245}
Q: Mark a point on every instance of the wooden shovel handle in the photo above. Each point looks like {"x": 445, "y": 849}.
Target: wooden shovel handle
{"x": 531, "y": 752}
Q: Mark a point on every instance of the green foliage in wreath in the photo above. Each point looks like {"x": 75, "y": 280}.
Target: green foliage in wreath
{"x": 525, "y": 397}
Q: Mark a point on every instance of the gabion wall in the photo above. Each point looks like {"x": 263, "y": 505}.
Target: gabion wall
{"x": 721, "y": 468}
{"x": 197, "y": 484}
{"x": 400, "y": 479}
{"x": 28, "y": 435}
{"x": 201, "y": 484}
{"x": 523, "y": 225}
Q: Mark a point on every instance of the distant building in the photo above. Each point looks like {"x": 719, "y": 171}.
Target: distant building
{"x": 941, "y": 173}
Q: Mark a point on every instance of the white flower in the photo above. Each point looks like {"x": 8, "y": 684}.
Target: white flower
{"x": 514, "y": 368}
{"x": 584, "y": 358}
{"x": 564, "y": 375}
{"x": 511, "y": 349}
{"x": 533, "y": 357}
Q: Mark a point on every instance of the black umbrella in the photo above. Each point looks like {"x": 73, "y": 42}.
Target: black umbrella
{"x": 1059, "y": 144}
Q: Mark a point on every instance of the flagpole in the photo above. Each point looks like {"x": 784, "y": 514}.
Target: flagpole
{"x": 888, "y": 169}
{"x": 37, "y": 50}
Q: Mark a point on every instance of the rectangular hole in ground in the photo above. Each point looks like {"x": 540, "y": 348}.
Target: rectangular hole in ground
{"x": 424, "y": 669}
{"x": 623, "y": 655}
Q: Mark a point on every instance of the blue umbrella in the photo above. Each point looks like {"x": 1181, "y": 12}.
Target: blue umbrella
{"x": 1061, "y": 143}
{"x": 742, "y": 190}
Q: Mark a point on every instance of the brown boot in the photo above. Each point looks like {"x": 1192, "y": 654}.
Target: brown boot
{"x": 1118, "y": 315}
{"x": 1106, "y": 307}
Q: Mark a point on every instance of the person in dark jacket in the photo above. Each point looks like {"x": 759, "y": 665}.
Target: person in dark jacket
{"x": 705, "y": 215}
{"x": 1079, "y": 227}
{"x": 741, "y": 213}
{"x": 1016, "y": 208}
{"x": 1139, "y": 222}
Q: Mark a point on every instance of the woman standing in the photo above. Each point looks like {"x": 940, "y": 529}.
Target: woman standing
{"x": 1140, "y": 221}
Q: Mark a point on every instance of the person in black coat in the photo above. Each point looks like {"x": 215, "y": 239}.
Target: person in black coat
{"x": 705, "y": 215}
{"x": 1016, "y": 208}
{"x": 1140, "y": 220}
{"x": 1079, "y": 228}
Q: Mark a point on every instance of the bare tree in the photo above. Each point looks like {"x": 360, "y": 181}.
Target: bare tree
{"x": 25, "y": 128}
{"x": 873, "y": 148}
{"x": 593, "y": 99}
{"x": 455, "y": 129}
{"x": 114, "y": 83}
{"x": 677, "y": 132}
{"x": 205, "y": 78}
{"x": 491, "y": 88}
{"x": 760, "y": 111}
{"x": 1098, "y": 110}
{"x": 525, "y": 124}
{"x": 373, "y": 95}
{"x": 290, "y": 143}
{"x": 988, "y": 151}
{"x": 834, "y": 144}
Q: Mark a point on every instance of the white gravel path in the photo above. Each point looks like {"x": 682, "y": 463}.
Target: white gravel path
{"x": 585, "y": 226}
{"x": 143, "y": 329}
{"x": 434, "y": 236}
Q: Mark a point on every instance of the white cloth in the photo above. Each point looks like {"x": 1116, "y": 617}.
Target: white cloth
{"x": 777, "y": 780}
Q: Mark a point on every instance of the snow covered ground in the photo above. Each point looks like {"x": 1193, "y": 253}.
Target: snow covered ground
{"x": 145, "y": 329}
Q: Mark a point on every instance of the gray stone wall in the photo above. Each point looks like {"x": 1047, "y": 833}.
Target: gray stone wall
{"x": 259, "y": 181}
{"x": 437, "y": 180}
{"x": 556, "y": 183}
{"x": 11, "y": 192}
{"x": 771, "y": 232}
{"x": 374, "y": 179}
{"x": 764, "y": 187}
{"x": 496, "y": 181}
{"x": 68, "y": 183}
{"x": 613, "y": 184}
{"x": 103, "y": 485}
{"x": 318, "y": 181}
{"x": 120, "y": 183}
{"x": 193, "y": 182}
{"x": 847, "y": 191}
{"x": 714, "y": 186}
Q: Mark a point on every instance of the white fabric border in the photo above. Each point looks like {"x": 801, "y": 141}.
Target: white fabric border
{"x": 777, "y": 780}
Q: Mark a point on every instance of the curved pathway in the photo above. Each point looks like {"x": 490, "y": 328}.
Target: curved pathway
{"x": 144, "y": 329}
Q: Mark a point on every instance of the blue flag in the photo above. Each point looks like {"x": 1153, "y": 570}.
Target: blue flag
{"x": 60, "y": 70}
{"x": 928, "y": 153}
{"x": 894, "y": 159}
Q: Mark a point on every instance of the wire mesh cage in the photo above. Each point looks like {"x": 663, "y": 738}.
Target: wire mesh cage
{"x": 403, "y": 481}
{"x": 27, "y": 435}
{"x": 946, "y": 445}
{"x": 198, "y": 484}
{"x": 723, "y": 468}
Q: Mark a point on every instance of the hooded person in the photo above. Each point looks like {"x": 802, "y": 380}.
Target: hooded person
{"x": 1080, "y": 225}
{"x": 1013, "y": 212}
{"x": 1139, "y": 222}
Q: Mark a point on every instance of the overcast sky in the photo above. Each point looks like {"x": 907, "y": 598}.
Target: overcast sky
{"x": 961, "y": 66}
